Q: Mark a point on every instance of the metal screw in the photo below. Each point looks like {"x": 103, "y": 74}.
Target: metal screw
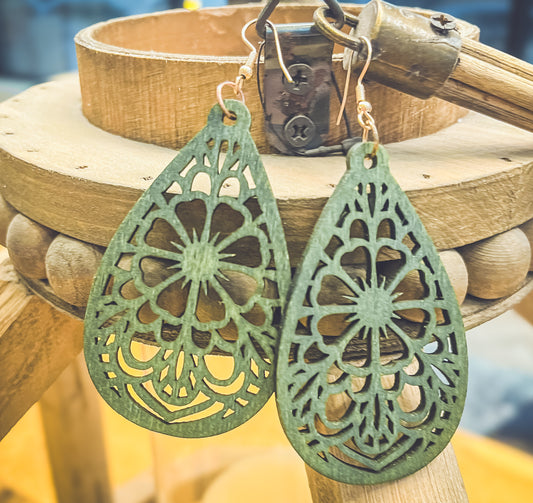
{"x": 300, "y": 131}
{"x": 443, "y": 22}
{"x": 302, "y": 75}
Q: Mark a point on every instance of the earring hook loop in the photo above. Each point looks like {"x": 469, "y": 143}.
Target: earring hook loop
{"x": 236, "y": 90}
{"x": 246, "y": 71}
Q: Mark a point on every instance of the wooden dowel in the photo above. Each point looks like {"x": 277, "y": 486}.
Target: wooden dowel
{"x": 496, "y": 58}
{"x": 479, "y": 101}
{"x": 494, "y": 81}
{"x": 525, "y": 308}
{"x": 491, "y": 82}
{"x": 440, "y": 482}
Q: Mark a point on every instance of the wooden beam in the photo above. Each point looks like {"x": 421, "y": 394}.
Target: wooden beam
{"x": 37, "y": 342}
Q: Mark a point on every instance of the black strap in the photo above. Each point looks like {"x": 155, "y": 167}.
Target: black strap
{"x": 335, "y": 11}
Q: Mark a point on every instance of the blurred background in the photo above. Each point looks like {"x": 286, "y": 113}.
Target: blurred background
{"x": 36, "y": 35}
{"x": 495, "y": 443}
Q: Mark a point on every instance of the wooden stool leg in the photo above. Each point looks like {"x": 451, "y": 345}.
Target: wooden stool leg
{"x": 73, "y": 430}
{"x": 525, "y": 308}
{"x": 439, "y": 482}
{"x": 37, "y": 342}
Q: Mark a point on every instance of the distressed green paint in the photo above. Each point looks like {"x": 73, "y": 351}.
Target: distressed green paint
{"x": 343, "y": 413}
{"x": 209, "y": 219}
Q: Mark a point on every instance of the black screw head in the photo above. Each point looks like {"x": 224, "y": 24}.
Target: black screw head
{"x": 300, "y": 131}
{"x": 443, "y": 23}
{"x": 302, "y": 75}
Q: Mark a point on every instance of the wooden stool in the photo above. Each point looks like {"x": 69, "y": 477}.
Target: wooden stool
{"x": 67, "y": 184}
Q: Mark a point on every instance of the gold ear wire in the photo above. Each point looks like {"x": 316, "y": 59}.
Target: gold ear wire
{"x": 280, "y": 55}
{"x": 346, "y": 87}
{"x": 247, "y": 70}
{"x": 364, "y": 107}
{"x": 366, "y": 121}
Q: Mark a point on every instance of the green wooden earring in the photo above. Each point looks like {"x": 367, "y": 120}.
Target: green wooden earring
{"x": 364, "y": 394}
{"x": 198, "y": 268}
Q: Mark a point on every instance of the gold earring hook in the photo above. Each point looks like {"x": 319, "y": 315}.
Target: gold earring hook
{"x": 364, "y": 108}
{"x": 277, "y": 43}
{"x": 367, "y": 62}
{"x": 346, "y": 87}
{"x": 246, "y": 71}
{"x": 280, "y": 55}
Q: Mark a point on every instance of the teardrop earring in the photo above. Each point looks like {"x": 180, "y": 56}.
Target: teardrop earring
{"x": 198, "y": 269}
{"x": 366, "y": 395}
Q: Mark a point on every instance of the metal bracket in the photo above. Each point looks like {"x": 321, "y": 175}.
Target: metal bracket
{"x": 297, "y": 114}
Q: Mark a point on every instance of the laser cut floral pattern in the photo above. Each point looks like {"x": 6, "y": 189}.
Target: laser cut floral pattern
{"x": 371, "y": 380}
{"x": 197, "y": 271}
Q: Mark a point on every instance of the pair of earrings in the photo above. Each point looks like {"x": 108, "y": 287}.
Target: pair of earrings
{"x": 199, "y": 268}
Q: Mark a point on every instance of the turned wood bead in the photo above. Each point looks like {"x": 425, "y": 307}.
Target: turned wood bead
{"x": 456, "y": 268}
{"x": 7, "y": 213}
{"x": 498, "y": 265}
{"x": 527, "y": 229}
{"x": 27, "y": 243}
{"x": 70, "y": 267}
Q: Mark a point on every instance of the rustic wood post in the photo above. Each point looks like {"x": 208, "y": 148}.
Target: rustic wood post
{"x": 73, "y": 429}
{"x": 36, "y": 343}
{"x": 440, "y": 482}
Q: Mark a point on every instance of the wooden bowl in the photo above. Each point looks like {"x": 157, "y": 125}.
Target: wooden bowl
{"x": 153, "y": 77}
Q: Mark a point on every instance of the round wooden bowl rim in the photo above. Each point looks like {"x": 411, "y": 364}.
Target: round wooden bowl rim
{"x": 88, "y": 37}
